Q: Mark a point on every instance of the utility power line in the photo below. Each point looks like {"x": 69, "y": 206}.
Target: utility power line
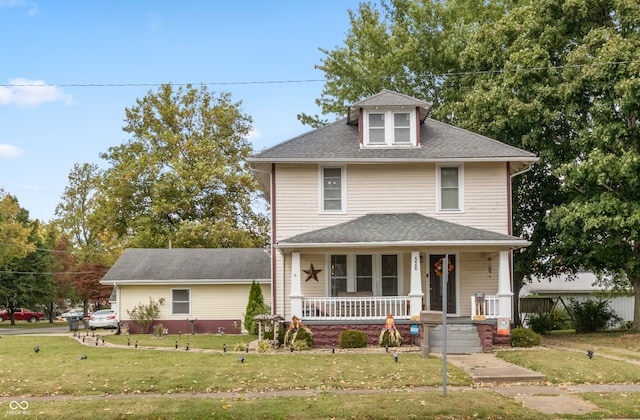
{"x": 292, "y": 81}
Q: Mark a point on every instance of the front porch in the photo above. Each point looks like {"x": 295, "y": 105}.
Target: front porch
{"x": 354, "y": 304}
{"x": 360, "y": 308}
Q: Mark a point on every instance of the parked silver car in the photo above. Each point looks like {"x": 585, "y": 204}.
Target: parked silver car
{"x": 104, "y": 318}
{"x": 73, "y": 314}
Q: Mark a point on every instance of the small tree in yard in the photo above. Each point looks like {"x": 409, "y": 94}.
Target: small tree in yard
{"x": 255, "y": 307}
{"x": 145, "y": 315}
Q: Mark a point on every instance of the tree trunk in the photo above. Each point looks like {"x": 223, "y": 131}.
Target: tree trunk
{"x": 635, "y": 282}
{"x": 517, "y": 285}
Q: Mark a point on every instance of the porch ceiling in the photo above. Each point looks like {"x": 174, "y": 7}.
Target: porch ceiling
{"x": 400, "y": 229}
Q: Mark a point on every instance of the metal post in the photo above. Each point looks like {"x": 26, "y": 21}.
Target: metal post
{"x": 445, "y": 279}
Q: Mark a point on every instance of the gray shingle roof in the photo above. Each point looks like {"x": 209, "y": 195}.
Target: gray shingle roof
{"x": 220, "y": 265}
{"x": 340, "y": 141}
{"x": 389, "y": 98}
{"x": 399, "y": 228}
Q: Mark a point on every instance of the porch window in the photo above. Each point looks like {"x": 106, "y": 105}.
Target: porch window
{"x": 180, "y": 301}
{"x": 450, "y": 188}
{"x": 332, "y": 190}
{"x": 338, "y": 274}
{"x": 377, "y": 273}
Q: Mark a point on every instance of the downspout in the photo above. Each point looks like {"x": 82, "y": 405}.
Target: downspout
{"x": 274, "y": 296}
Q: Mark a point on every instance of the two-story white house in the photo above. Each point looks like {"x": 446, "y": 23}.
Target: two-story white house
{"x": 364, "y": 209}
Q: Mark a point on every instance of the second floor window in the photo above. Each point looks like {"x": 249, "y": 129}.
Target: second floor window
{"x": 332, "y": 190}
{"x": 389, "y": 127}
{"x": 450, "y": 187}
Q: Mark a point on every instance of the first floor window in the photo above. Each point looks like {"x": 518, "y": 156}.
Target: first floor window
{"x": 180, "y": 301}
{"x": 377, "y": 273}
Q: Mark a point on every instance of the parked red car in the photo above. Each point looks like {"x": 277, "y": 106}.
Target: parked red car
{"x": 21, "y": 314}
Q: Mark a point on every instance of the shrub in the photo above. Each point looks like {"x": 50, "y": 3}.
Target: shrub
{"x": 352, "y": 339}
{"x": 561, "y": 319}
{"x": 145, "y": 315}
{"x": 298, "y": 332}
{"x": 255, "y": 306}
{"x": 541, "y": 323}
{"x": 523, "y": 337}
{"x": 301, "y": 345}
{"x": 264, "y": 347}
{"x": 592, "y": 315}
{"x": 240, "y": 346}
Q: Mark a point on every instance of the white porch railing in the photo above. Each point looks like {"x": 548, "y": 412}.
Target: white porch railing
{"x": 353, "y": 308}
{"x": 489, "y": 307}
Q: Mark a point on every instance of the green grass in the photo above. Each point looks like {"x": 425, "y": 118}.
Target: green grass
{"x": 389, "y": 405}
{"x": 31, "y": 325}
{"x": 200, "y": 341}
{"x": 169, "y": 383}
{"x": 622, "y": 344}
{"x": 562, "y": 367}
{"x": 57, "y": 370}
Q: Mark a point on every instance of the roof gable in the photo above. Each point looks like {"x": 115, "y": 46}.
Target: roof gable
{"x": 388, "y": 98}
{"x": 222, "y": 265}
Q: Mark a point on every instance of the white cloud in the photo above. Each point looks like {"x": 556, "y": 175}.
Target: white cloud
{"x": 254, "y": 135}
{"x": 31, "y": 93}
{"x": 9, "y": 151}
{"x": 12, "y": 3}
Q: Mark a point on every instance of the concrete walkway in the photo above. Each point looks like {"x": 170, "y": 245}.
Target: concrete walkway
{"x": 529, "y": 387}
{"x": 488, "y": 370}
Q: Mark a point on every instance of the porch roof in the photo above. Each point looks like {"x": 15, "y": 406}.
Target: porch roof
{"x": 399, "y": 229}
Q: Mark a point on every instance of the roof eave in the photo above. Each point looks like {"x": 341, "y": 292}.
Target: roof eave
{"x": 319, "y": 159}
{"x": 509, "y": 244}
{"x": 182, "y": 282}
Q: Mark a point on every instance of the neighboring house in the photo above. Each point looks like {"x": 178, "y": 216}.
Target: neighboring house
{"x": 203, "y": 289}
{"x": 364, "y": 209}
{"x": 584, "y": 286}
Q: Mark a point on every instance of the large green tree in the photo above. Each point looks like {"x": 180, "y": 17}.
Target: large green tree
{"x": 599, "y": 223}
{"x": 521, "y": 72}
{"x": 24, "y": 279}
{"x": 81, "y": 219}
{"x": 549, "y": 77}
{"x": 14, "y": 235}
{"x": 409, "y": 46}
{"x": 182, "y": 179}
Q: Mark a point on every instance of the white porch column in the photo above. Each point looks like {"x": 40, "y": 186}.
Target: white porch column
{"x": 415, "y": 294}
{"x": 296, "y": 290}
{"x": 505, "y": 294}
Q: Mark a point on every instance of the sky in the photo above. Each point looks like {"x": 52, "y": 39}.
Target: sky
{"x": 58, "y": 58}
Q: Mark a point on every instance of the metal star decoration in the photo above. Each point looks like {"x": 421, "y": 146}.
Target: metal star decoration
{"x": 312, "y": 273}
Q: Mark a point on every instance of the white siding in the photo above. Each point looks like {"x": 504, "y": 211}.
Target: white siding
{"x": 392, "y": 188}
{"x": 208, "y": 302}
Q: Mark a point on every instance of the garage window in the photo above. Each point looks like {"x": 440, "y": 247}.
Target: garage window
{"x": 180, "y": 301}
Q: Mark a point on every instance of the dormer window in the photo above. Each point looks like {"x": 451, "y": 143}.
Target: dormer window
{"x": 389, "y": 128}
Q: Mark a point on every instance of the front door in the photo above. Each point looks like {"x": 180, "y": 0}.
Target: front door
{"x": 435, "y": 283}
